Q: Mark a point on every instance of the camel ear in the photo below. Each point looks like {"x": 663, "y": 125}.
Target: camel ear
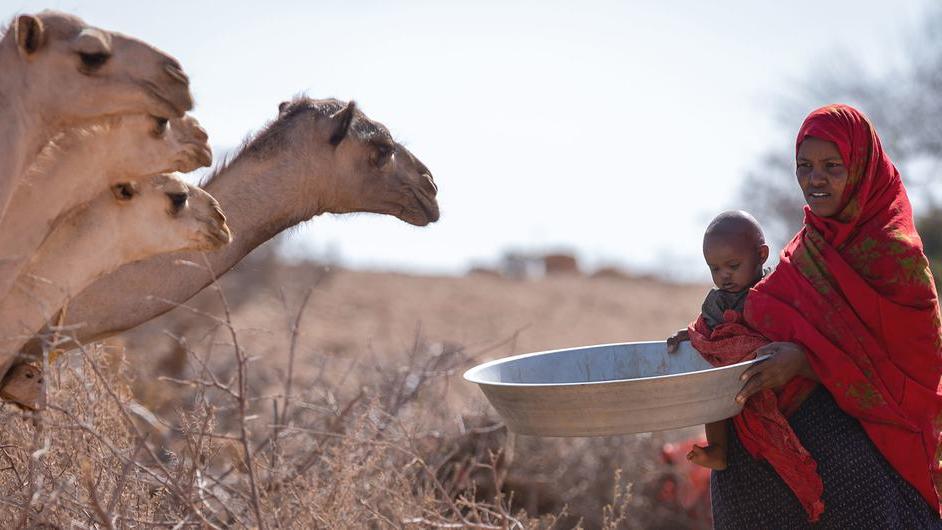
{"x": 282, "y": 106}
{"x": 29, "y": 34}
{"x": 342, "y": 120}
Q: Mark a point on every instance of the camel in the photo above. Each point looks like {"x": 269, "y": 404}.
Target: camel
{"x": 80, "y": 163}
{"x": 133, "y": 221}
{"x": 317, "y": 156}
{"x": 58, "y": 71}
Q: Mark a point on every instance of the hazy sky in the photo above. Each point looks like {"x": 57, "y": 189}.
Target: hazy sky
{"x": 614, "y": 129}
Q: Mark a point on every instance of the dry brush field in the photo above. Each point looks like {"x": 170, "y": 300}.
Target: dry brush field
{"x": 350, "y": 402}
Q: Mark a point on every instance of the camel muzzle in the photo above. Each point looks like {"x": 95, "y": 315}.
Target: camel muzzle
{"x": 172, "y": 89}
{"x": 218, "y": 236}
{"x": 218, "y": 228}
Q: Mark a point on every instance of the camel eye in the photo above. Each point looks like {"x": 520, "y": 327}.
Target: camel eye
{"x": 382, "y": 153}
{"x": 160, "y": 126}
{"x": 177, "y": 200}
{"x": 93, "y": 61}
{"x": 123, "y": 191}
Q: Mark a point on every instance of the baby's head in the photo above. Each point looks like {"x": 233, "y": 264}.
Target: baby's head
{"x": 735, "y": 250}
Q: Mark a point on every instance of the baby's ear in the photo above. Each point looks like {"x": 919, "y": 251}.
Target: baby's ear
{"x": 763, "y": 252}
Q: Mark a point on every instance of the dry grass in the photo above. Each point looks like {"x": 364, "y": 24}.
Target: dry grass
{"x": 310, "y": 408}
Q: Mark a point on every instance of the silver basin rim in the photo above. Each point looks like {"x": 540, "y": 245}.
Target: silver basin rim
{"x": 471, "y": 374}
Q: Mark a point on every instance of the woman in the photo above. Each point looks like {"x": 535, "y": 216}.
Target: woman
{"x": 852, "y": 306}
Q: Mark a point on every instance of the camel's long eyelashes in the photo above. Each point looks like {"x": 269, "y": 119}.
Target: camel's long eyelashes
{"x": 93, "y": 61}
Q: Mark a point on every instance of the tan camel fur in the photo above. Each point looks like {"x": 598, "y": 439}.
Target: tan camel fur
{"x": 133, "y": 221}
{"x": 56, "y": 71}
{"x": 318, "y": 156}
{"x": 81, "y": 163}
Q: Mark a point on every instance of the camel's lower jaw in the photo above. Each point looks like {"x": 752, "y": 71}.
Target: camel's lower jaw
{"x": 199, "y": 156}
{"x": 430, "y": 211}
{"x": 417, "y": 219}
{"x": 425, "y": 213}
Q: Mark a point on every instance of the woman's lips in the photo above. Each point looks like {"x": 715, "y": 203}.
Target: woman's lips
{"x": 817, "y": 195}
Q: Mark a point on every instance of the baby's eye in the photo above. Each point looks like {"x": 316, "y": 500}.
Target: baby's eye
{"x": 735, "y": 266}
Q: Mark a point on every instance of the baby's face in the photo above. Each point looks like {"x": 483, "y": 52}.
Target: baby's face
{"x": 735, "y": 266}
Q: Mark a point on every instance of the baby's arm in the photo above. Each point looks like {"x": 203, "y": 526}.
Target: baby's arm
{"x": 673, "y": 342}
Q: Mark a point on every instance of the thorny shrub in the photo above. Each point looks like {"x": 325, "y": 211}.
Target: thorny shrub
{"x": 321, "y": 455}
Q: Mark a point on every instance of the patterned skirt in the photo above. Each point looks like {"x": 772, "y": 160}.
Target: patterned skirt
{"x": 861, "y": 490}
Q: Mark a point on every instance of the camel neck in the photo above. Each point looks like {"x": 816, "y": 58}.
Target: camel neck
{"x": 58, "y": 178}
{"x": 22, "y": 133}
{"x": 258, "y": 205}
{"x": 21, "y": 136}
{"x": 64, "y": 259}
{"x": 61, "y": 268}
{"x": 55, "y": 179}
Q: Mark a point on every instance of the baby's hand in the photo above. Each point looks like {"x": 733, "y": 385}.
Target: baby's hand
{"x": 673, "y": 342}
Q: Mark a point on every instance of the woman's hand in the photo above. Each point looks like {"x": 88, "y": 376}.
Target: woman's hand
{"x": 673, "y": 342}
{"x": 786, "y": 361}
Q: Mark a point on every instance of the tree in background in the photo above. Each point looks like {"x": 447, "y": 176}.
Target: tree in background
{"x": 905, "y": 105}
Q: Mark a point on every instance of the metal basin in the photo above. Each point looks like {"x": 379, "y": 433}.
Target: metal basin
{"x": 609, "y": 389}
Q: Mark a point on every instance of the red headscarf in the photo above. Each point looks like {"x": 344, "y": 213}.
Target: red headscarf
{"x": 856, "y": 291}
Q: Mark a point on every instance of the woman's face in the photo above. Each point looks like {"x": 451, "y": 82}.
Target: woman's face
{"x": 822, "y": 175}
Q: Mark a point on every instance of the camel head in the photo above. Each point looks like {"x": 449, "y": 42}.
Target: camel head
{"x": 72, "y": 71}
{"x": 143, "y": 145}
{"x": 165, "y": 214}
{"x": 346, "y": 162}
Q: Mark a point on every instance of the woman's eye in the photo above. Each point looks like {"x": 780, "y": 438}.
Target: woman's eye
{"x": 832, "y": 165}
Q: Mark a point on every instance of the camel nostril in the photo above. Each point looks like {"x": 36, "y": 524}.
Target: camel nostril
{"x": 201, "y": 134}
{"x": 204, "y": 155}
{"x": 217, "y": 213}
{"x": 223, "y": 234}
{"x": 431, "y": 181}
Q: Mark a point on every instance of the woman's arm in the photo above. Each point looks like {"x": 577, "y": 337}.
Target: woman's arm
{"x": 787, "y": 360}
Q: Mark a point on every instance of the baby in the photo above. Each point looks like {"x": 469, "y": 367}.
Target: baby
{"x": 735, "y": 250}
